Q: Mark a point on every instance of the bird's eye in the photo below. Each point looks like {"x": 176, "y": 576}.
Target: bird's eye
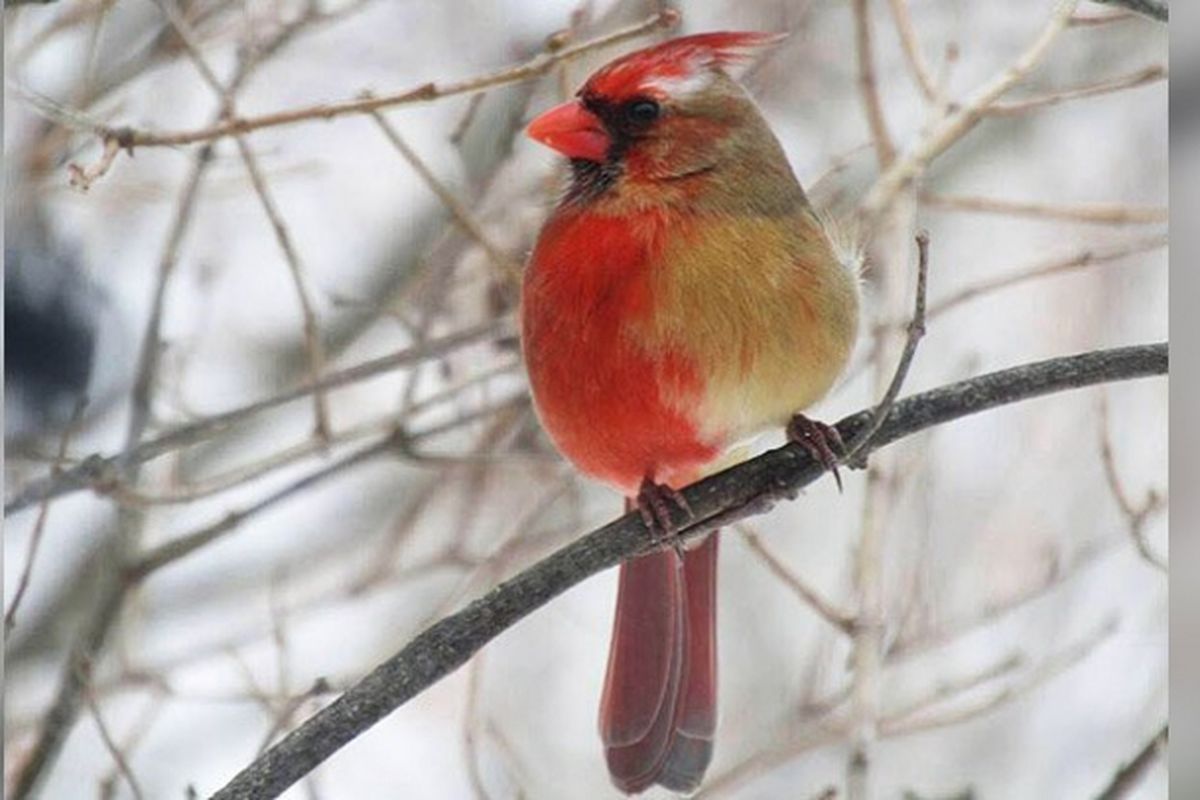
{"x": 642, "y": 112}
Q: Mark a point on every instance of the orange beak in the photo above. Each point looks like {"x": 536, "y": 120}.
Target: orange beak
{"x": 573, "y": 131}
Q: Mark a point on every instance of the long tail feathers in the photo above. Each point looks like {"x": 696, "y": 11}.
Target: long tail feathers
{"x": 659, "y": 708}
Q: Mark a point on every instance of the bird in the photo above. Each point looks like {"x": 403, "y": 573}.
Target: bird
{"x": 682, "y": 297}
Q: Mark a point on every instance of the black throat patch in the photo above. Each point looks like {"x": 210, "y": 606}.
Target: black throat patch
{"x": 591, "y": 179}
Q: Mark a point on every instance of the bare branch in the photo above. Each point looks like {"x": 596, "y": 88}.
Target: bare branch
{"x": 1151, "y": 74}
{"x": 1135, "y": 515}
{"x": 82, "y": 178}
{"x": 128, "y": 138}
{"x": 1129, "y": 776}
{"x": 113, "y": 748}
{"x": 1103, "y": 18}
{"x": 839, "y": 619}
{"x": 727, "y": 497}
{"x": 472, "y": 729}
{"x": 916, "y": 329}
{"x": 912, "y": 52}
{"x": 950, "y": 689}
{"x": 1099, "y": 213}
{"x": 102, "y": 472}
{"x": 176, "y": 549}
{"x": 76, "y": 672}
{"x": 1087, "y": 258}
{"x": 508, "y": 269}
{"x": 958, "y": 123}
{"x": 73, "y": 683}
{"x": 114, "y": 588}
{"x": 39, "y": 525}
{"x": 868, "y": 88}
{"x": 311, "y": 328}
{"x": 1050, "y": 667}
{"x": 921, "y": 641}
{"x": 1154, "y": 9}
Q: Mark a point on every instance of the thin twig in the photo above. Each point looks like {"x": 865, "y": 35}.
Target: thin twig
{"x": 396, "y": 441}
{"x": 1151, "y": 74}
{"x": 245, "y": 473}
{"x": 1103, "y": 18}
{"x": 235, "y": 477}
{"x": 958, "y": 123}
{"x": 313, "y": 343}
{"x": 464, "y": 124}
{"x": 508, "y": 269}
{"x": 310, "y": 326}
{"x": 471, "y": 728}
{"x": 111, "y": 745}
{"x": 106, "y": 609}
{"x": 722, "y": 499}
{"x": 39, "y": 525}
{"x": 906, "y": 720}
{"x": 1087, "y": 258}
{"x": 1050, "y": 667}
{"x": 916, "y": 329}
{"x": 133, "y": 737}
{"x": 114, "y": 588}
{"x": 82, "y": 178}
{"x": 1098, "y": 213}
{"x": 839, "y": 619}
{"x": 177, "y": 548}
{"x": 885, "y": 150}
{"x": 102, "y": 472}
{"x": 128, "y": 138}
{"x": 915, "y": 643}
{"x": 1135, "y": 515}
{"x": 917, "y": 64}
{"x": 947, "y": 690}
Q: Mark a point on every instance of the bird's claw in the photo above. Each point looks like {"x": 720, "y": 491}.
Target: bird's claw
{"x": 654, "y": 501}
{"x": 821, "y": 441}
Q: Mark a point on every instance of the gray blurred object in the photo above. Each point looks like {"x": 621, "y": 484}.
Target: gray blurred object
{"x": 57, "y": 324}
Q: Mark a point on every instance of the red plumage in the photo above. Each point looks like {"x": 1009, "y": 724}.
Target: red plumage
{"x": 576, "y": 353}
{"x": 627, "y": 76}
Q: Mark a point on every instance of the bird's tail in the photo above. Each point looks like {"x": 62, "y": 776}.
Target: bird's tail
{"x": 658, "y": 713}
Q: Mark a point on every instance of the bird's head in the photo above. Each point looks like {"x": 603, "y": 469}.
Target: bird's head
{"x": 660, "y": 114}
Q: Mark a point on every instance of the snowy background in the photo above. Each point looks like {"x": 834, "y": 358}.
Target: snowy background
{"x": 1026, "y": 635}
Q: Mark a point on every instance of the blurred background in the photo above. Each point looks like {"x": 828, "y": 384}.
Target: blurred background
{"x": 286, "y": 541}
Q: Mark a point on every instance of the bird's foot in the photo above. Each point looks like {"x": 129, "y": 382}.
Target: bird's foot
{"x": 821, "y": 441}
{"x": 654, "y": 501}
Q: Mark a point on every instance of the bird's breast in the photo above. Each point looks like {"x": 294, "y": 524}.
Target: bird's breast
{"x": 616, "y": 408}
{"x": 653, "y": 342}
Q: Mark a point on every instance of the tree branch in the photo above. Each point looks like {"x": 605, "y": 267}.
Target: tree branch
{"x": 957, "y": 124}
{"x": 734, "y": 494}
{"x": 885, "y": 150}
{"x": 127, "y": 138}
{"x": 1130, "y": 775}
{"x": 1155, "y": 9}
{"x": 100, "y": 472}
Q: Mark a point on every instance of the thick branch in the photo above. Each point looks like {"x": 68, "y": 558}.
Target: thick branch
{"x": 731, "y": 495}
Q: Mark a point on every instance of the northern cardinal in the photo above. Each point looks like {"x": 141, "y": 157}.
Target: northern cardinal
{"x": 682, "y": 297}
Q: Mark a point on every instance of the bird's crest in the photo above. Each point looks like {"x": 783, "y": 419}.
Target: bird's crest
{"x": 677, "y": 66}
